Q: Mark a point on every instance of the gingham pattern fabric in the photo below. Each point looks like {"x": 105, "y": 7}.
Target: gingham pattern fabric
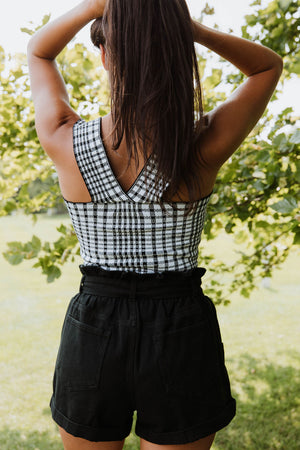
{"x": 129, "y": 231}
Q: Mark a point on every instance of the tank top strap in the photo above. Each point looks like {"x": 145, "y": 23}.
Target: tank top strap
{"x": 97, "y": 172}
{"x": 92, "y": 162}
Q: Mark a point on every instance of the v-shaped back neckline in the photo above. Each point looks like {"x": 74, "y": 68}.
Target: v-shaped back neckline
{"x": 137, "y": 179}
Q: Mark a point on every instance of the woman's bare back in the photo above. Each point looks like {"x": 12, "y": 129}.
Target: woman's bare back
{"x": 73, "y": 186}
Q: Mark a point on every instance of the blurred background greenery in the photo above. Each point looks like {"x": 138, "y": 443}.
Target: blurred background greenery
{"x": 249, "y": 245}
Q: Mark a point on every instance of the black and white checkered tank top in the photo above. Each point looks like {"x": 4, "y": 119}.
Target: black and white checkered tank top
{"x": 129, "y": 231}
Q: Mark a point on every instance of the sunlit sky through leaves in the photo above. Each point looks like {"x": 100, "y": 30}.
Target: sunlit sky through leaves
{"x": 16, "y": 14}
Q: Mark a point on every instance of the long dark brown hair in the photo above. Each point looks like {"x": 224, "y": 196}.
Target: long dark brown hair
{"x": 155, "y": 86}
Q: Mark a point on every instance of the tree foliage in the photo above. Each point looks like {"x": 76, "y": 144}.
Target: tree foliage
{"x": 277, "y": 26}
{"x": 256, "y": 196}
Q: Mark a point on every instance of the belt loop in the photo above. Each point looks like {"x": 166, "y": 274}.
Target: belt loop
{"x": 82, "y": 283}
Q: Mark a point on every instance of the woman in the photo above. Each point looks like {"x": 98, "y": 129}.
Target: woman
{"x": 141, "y": 335}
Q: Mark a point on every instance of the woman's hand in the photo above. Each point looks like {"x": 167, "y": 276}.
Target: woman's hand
{"x": 96, "y": 7}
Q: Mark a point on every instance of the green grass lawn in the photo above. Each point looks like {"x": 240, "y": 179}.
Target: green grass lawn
{"x": 261, "y": 338}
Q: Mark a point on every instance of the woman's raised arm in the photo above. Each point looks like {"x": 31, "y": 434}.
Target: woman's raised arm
{"x": 231, "y": 122}
{"x": 53, "y": 113}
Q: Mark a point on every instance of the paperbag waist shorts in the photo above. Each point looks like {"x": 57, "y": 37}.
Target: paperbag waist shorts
{"x": 148, "y": 343}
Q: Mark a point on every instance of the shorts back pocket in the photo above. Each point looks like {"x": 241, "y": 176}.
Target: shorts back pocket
{"x": 81, "y": 354}
{"x": 188, "y": 362}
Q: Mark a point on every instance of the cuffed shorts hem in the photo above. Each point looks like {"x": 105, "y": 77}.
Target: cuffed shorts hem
{"x": 190, "y": 434}
{"x": 87, "y": 432}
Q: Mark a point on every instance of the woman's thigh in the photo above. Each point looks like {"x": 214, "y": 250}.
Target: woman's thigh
{"x": 74, "y": 443}
{"x": 200, "y": 444}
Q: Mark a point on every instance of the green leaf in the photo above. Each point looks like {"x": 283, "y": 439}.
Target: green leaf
{"x": 13, "y": 258}
{"x": 251, "y": 19}
{"x": 262, "y": 224}
{"x": 277, "y": 32}
{"x": 52, "y": 273}
{"x": 15, "y": 246}
{"x": 245, "y": 292}
{"x": 27, "y": 31}
{"x": 281, "y": 141}
{"x": 36, "y": 244}
{"x": 297, "y": 238}
{"x": 286, "y": 111}
{"x": 284, "y": 4}
{"x": 295, "y": 138}
{"x": 263, "y": 156}
{"x": 46, "y": 19}
{"x": 258, "y": 185}
{"x": 285, "y": 206}
{"x": 229, "y": 228}
{"x": 62, "y": 229}
{"x": 10, "y": 206}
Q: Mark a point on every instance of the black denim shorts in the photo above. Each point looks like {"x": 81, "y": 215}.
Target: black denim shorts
{"x": 146, "y": 343}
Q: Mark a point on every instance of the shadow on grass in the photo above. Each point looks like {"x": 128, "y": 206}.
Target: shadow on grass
{"x": 268, "y": 400}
